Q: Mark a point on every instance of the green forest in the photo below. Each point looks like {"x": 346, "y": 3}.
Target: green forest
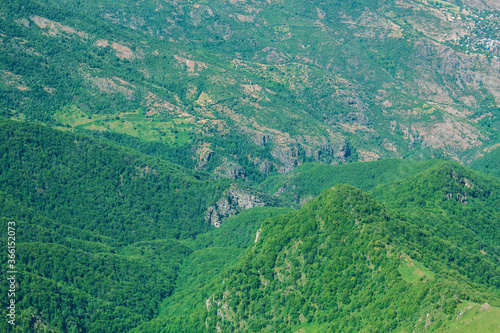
{"x": 249, "y": 166}
{"x": 110, "y": 237}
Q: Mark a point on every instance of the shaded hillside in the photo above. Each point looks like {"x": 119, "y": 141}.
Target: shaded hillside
{"x": 489, "y": 163}
{"x": 213, "y": 252}
{"x": 310, "y": 179}
{"x": 101, "y": 188}
{"x": 454, "y": 203}
{"x": 100, "y": 229}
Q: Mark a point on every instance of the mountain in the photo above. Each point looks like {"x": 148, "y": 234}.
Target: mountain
{"x": 345, "y": 262}
{"x": 97, "y": 233}
{"x": 250, "y": 166}
{"x": 290, "y": 82}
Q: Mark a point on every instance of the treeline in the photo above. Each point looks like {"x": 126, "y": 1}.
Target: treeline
{"x": 310, "y": 179}
{"x": 489, "y": 163}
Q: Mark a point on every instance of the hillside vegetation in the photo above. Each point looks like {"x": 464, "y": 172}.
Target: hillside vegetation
{"x": 346, "y": 262}
{"x": 100, "y": 228}
{"x": 250, "y": 166}
{"x": 288, "y": 82}
{"x": 489, "y": 163}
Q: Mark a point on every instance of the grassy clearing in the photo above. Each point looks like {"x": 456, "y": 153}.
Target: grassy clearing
{"x": 446, "y": 5}
{"x": 73, "y": 116}
{"x": 136, "y": 124}
{"x": 424, "y": 109}
{"x": 412, "y": 271}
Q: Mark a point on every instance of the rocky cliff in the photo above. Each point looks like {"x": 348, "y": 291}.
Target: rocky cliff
{"x": 234, "y": 201}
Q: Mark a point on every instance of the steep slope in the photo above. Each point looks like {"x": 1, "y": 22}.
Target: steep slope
{"x": 97, "y": 187}
{"x": 454, "y": 203}
{"x": 343, "y": 262}
{"x": 253, "y": 89}
{"x": 100, "y": 230}
{"x": 109, "y": 239}
{"x": 214, "y": 252}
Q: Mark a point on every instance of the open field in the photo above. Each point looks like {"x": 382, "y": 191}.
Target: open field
{"x": 137, "y": 124}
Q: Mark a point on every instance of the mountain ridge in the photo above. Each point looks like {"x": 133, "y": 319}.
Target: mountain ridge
{"x": 263, "y": 166}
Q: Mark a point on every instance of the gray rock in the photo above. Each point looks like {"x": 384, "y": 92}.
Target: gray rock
{"x": 266, "y": 167}
{"x": 231, "y": 170}
{"x": 233, "y": 202}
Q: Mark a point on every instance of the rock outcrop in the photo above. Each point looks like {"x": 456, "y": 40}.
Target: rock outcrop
{"x": 234, "y": 201}
{"x": 231, "y": 170}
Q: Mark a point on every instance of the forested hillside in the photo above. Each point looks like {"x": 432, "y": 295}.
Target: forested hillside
{"x": 489, "y": 163}
{"x": 250, "y": 166}
{"x": 348, "y": 263}
{"x": 310, "y": 179}
{"x": 250, "y": 90}
{"x": 101, "y": 229}
{"x": 85, "y": 184}
{"x": 109, "y": 237}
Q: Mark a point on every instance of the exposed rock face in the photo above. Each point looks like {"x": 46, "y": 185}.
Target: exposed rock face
{"x": 356, "y": 103}
{"x": 287, "y": 156}
{"x": 355, "y": 117}
{"x": 231, "y": 170}
{"x": 244, "y": 199}
{"x": 234, "y": 201}
{"x": 261, "y": 139}
{"x": 205, "y": 154}
{"x": 483, "y": 4}
{"x": 484, "y": 307}
{"x": 216, "y": 213}
{"x": 345, "y": 151}
{"x": 257, "y": 235}
{"x": 266, "y": 167}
